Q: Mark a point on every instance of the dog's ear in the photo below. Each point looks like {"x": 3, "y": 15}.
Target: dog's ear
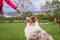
{"x": 33, "y": 19}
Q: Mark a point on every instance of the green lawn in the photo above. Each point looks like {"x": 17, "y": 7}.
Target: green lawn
{"x": 13, "y": 31}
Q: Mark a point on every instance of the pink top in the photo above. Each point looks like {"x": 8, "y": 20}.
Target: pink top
{"x": 9, "y": 2}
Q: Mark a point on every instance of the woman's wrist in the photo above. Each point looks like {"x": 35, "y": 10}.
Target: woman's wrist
{"x": 15, "y": 7}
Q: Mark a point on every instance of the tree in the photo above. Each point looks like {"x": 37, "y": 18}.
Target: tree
{"x": 24, "y": 5}
{"x": 53, "y": 7}
{"x": 27, "y": 14}
{"x": 57, "y": 11}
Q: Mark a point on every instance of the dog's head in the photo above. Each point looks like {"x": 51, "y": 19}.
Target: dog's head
{"x": 31, "y": 19}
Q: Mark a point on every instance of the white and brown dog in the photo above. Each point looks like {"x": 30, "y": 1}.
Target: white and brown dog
{"x": 33, "y": 30}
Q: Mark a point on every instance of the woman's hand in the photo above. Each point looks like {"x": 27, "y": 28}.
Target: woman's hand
{"x": 20, "y": 13}
{"x": 18, "y": 10}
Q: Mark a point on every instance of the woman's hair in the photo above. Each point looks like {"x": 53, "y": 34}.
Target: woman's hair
{"x": 33, "y": 19}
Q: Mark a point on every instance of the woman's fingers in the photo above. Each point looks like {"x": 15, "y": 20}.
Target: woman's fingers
{"x": 18, "y": 10}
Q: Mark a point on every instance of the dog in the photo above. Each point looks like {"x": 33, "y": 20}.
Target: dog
{"x": 33, "y": 30}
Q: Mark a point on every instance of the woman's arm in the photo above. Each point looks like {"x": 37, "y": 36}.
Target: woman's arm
{"x": 9, "y": 2}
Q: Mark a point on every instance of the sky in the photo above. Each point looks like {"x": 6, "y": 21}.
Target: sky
{"x": 37, "y": 4}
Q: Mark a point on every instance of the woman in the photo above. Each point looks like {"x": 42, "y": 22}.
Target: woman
{"x": 34, "y": 32}
{"x": 9, "y": 2}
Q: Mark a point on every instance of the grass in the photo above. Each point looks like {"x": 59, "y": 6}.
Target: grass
{"x": 13, "y": 31}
